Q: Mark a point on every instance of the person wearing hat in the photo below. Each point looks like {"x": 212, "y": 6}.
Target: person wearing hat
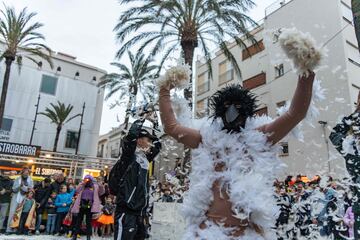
{"x": 86, "y": 204}
{"x": 138, "y": 150}
{"x": 22, "y": 185}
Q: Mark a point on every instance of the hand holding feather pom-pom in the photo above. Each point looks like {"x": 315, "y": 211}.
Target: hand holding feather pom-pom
{"x": 301, "y": 49}
{"x": 175, "y": 77}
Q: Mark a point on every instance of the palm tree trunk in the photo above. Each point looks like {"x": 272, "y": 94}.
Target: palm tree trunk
{"x": 128, "y": 107}
{"x": 188, "y": 48}
{"x": 356, "y": 13}
{"x": 127, "y": 117}
{"x": 58, "y": 130}
{"x": 8, "y": 62}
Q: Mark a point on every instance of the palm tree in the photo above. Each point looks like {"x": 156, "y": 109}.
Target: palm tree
{"x": 130, "y": 80}
{"x": 59, "y": 115}
{"x": 22, "y": 40}
{"x": 355, "y": 5}
{"x": 165, "y": 25}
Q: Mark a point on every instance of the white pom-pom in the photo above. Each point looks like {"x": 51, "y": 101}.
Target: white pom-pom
{"x": 178, "y": 77}
{"x": 301, "y": 49}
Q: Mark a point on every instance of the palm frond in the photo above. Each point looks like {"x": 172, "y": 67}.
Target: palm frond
{"x": 162, "y": 26}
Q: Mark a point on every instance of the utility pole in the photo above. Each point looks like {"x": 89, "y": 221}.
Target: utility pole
{"x": 34, "y": 121}
{"x": 81, "y": 123}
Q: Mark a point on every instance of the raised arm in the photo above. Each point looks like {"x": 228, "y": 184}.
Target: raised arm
{"x": 189, "y": 137}
{"x": 280, "y": 127}
{"x": 129, "y": 144}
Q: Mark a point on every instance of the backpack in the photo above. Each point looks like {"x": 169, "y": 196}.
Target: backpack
{"x": 117, "y": 175}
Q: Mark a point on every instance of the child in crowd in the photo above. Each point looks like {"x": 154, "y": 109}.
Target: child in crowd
{"x": 63, "y": 202}
{"x": 25, "y": 215}
{"x": 95, "y": 224}
{"x": 51, "y": 211}
{"x": 107, "y": 217}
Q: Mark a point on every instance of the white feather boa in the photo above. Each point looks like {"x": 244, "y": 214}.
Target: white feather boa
{"x": 252, "y": 164}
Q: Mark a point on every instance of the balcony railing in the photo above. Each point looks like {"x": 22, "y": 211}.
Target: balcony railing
{"x": 275, "y": 6}
{"x": 202, "y": 88}
{"x": 226, "y": 77}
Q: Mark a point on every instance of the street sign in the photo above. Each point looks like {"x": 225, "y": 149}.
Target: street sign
{"x": 19, "y": 149}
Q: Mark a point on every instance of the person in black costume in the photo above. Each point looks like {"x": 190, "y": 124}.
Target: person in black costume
{"x": 138, "y": 150}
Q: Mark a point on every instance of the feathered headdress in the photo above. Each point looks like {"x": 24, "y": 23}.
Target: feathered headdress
{"x": 233, "y": 93}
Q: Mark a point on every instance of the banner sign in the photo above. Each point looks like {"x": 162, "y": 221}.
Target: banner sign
{"x": 39, "y": 171}
{"x": 19, "y": 149}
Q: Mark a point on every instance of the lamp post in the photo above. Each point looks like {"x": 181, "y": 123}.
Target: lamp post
{"x": 35, "y": 118}
{"x": 324, "y": 124}
{"x": 81, "y": 123}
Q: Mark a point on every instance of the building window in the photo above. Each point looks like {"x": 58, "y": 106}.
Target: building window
{"x": 255, "y": 81}
{"x": 201, "y": 108}
{"x": 114, "y": 153}
{"x": 281, "y": 104}
{"x": 262, "y": 111}
{"x": 203, "y": 85}
{"x": 6, "y": 124}
{"x": 100, "y": 152}
{"x": 279, "y": 70}
{"x": 71, "y": 139}
{"x": 284, "y": 149}
{"x": 48, "y": 84}
{"x": 225, "y": 75}
{"x": 252, "y": 50}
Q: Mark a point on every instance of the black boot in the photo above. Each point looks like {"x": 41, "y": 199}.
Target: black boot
{"x": 74, "y": 236}
{"x": 88, "y": 237}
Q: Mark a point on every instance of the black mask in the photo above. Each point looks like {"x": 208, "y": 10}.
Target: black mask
{"x": 233, "y": 104}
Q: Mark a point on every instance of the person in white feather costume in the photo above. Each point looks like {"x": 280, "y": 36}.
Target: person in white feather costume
{"x": 233, "y": 162}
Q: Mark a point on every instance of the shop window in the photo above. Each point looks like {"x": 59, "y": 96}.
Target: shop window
{"x": 48, "y": 84}
{"x": 71, "y": 139}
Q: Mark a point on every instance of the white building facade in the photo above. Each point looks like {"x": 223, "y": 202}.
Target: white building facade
{"x": 69, "y": 82}
{"x": 268, "y": 74}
